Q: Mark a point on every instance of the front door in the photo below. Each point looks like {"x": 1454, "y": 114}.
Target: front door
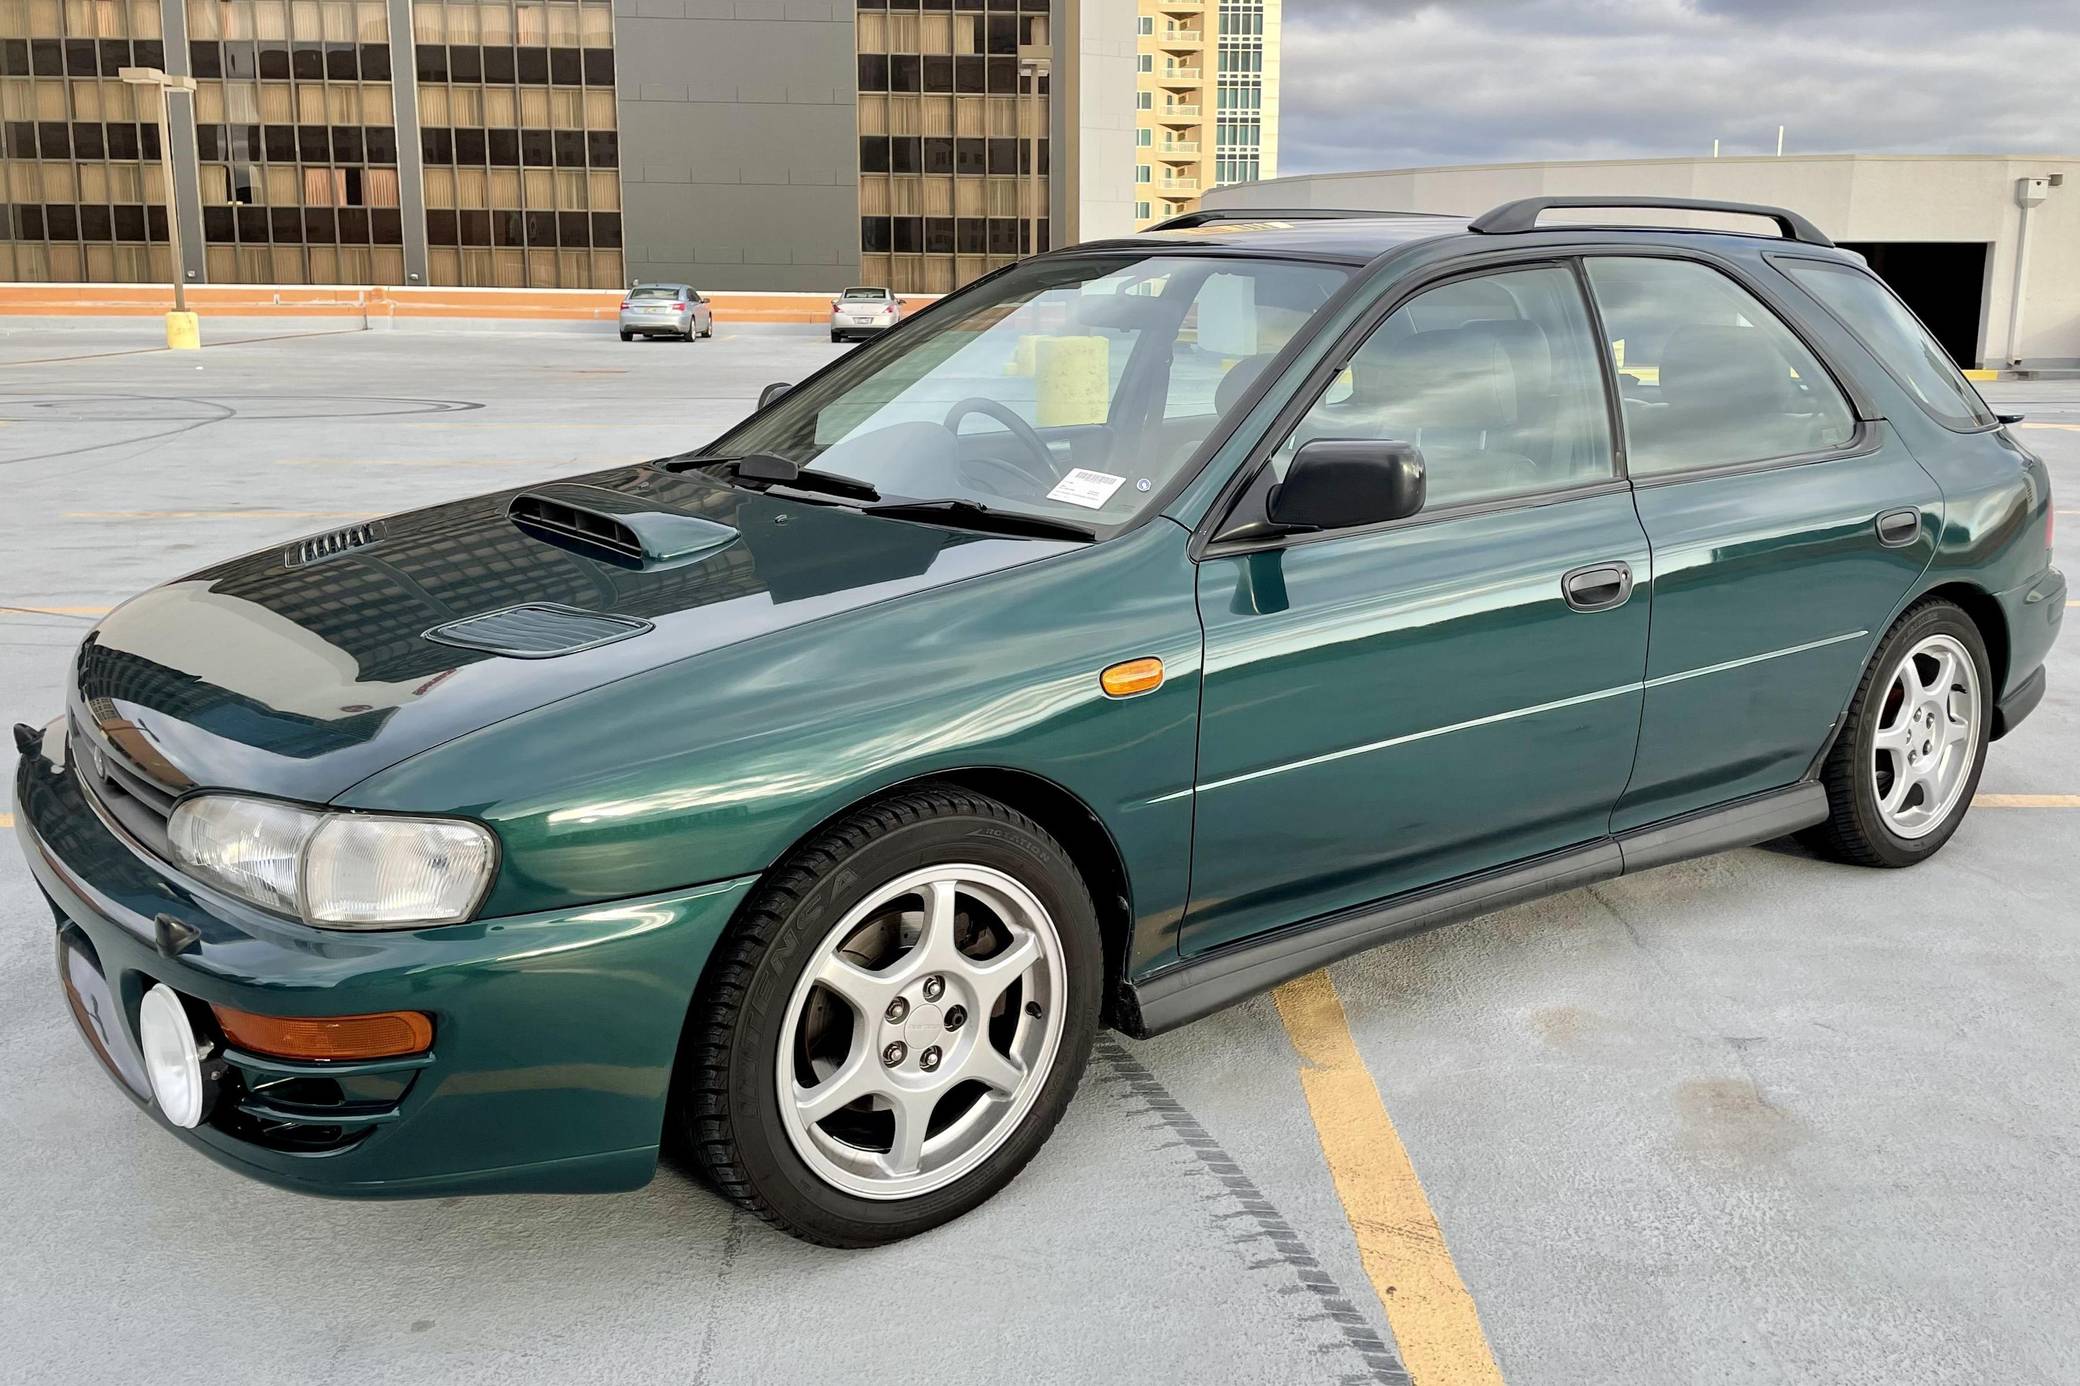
{"x": 1785, "y": 534}
{"x": 1390, "y": 708}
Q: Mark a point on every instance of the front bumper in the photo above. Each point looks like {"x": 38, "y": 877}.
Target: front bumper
{"x": 554, "y": 1034}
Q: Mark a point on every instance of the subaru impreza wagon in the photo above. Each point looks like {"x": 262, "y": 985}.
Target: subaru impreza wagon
{"x": 1148, "y": 623}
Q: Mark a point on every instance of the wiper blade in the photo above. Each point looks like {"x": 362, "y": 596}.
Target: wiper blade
{"x": 765, "y": 469}
{"x": 967, "y": 514}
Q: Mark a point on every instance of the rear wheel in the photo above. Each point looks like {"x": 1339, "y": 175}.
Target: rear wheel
{"x": 627, "y": 336}
{"x": 837, "y": 336}
{"x": 1901, "y": 775}
{"x": 896, "y": 1021}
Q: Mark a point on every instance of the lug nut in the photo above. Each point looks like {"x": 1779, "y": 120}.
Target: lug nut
{"x": 934, "y": 988}
{"x": 894, "y": 1053}
{"x": 956, "y": 1016}
{"x": 929, "y": 1060}
{"x": 897, "y": 1009}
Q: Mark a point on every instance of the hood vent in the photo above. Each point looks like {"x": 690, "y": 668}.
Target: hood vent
{"x": 323, "y": 546}
{"x": 621, "y": 529}
{"x": 537, "y": 630}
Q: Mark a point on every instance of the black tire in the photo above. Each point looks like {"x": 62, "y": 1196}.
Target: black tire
{"x": 1856, "y": 830}
{"x": 628, "y": 336}
{"x": 837, "y": 336}
{"x": 726, "y": 1106}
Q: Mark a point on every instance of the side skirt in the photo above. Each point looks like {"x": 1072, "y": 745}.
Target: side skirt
{"x": 1189, "y": 990}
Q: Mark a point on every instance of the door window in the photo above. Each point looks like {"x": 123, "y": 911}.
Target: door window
{"x": 1706, "y": 374}
{"x": 1494, "y": 379}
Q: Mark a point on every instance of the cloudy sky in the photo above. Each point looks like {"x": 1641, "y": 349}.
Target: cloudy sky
{"x": 1397, "y": 83}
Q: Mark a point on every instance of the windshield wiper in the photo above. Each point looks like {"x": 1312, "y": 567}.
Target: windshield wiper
{"x": 767, "y": 470}
{"x": 967, "y": 514}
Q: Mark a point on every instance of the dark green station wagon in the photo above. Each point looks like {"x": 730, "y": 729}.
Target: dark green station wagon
{"x": 1149, "y": 623}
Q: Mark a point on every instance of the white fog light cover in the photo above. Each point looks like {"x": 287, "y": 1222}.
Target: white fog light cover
{"x": 172, "y": 1058}
{"x": 376, "y": 872}
{"x": 250, "y": 847}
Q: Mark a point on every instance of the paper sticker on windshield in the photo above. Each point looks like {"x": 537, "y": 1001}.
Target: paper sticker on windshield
{"x": 1085, "y": 488}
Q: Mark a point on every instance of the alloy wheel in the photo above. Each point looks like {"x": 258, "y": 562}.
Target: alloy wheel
{"x": 922, "y": 1031}
{"x": 1927, "y": 737}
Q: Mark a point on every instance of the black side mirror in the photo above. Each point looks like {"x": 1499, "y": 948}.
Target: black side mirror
{"x": 773, "y": 392}
{"x": 1341, "y": 483}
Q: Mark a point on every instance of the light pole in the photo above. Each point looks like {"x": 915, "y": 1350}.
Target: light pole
{"x": 1032, "y": 70}
{"x": 180, "y": 324}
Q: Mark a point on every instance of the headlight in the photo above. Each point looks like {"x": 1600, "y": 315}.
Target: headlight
{"x": 337, "y": 870}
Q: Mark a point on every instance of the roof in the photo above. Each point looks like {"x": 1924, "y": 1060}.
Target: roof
{"x": 1356, "y": 238}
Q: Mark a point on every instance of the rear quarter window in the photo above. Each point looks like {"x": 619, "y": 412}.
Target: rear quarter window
{"x": 1896, "y": 337}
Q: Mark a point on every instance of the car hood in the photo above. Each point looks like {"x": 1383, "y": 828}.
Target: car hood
{"x": 302, "y": 669}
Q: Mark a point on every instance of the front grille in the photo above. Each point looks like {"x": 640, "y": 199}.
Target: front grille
{"x": 123, "y": 793}
{"x": 537, "y": 630}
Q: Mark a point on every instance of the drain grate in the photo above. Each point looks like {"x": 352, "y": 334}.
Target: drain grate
{"x": 537, "y": 630}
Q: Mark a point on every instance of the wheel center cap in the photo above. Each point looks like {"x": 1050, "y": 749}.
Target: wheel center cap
{"x": 924, "y": 1025}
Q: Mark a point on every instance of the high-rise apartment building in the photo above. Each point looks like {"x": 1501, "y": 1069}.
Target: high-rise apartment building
{"x": 737, "y": 144}
{"x": 1206, "y": 100}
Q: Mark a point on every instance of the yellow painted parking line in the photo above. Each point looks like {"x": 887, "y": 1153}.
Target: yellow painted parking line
{"x": 2026, "y": 801}
{"x": 221, "y": 514}
{"x": 6, "y": 820}
{"x": 501, "y": 423}
{"x": 2069, "y": 428}
{"x": 1402, "y": 1248}
{"x": 7, "y": 608}
{"x": 1978, "y": 374}
{"x": 429, "y": 462}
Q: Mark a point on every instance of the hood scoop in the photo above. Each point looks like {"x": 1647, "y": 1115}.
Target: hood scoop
{"x": 537, "y": 630}
{"x": 625, "y": 530}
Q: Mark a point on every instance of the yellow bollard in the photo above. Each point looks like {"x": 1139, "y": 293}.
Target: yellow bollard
{"x": 183, "y": 333}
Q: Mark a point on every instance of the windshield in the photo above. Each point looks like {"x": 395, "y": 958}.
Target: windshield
{"x": 866, "y": 293}
{"x": 1071, "y": 388}
{"x": 654, "y": 291}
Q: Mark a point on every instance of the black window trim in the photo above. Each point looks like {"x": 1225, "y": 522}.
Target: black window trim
{"x": 1207, "y": 544}
{"x": 1774, "y": 258}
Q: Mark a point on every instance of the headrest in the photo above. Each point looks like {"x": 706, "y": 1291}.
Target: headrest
{"x": 1737, "y": 369}
{"x": 1524, "y": 343}
{"x": 1449, "y": 379}
{"x": 1239, "y": 378}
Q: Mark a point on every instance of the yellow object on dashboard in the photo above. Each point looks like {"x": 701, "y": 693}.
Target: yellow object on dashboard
{"x": 1074, "y": 383}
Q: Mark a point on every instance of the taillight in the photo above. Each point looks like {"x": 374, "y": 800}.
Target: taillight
{"x": 836, "y": 305}
{"x": 627, "y": 304}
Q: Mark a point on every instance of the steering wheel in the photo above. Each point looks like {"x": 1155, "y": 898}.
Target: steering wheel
{"x": 1043, "y": 471}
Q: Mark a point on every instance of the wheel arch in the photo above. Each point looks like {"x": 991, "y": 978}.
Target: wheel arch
{"x": 1985, "y": 613}
{"x": 1064, "y": 816}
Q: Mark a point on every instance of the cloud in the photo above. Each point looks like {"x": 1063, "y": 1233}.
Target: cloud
{"x": 1397, "y": 84}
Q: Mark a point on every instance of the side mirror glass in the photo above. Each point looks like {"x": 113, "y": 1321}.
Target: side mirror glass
{"x": 773, "y": 392}
{"x": 1342, "y": 483}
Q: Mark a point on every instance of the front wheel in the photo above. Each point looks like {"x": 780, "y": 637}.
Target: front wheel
{"x": 1901, "y": 775}
{"x": 895, "y": 1022}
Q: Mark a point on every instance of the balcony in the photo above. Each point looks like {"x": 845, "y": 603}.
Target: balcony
{"x": 1176, "y": 187}
{"x": 1178, "y": 36}
{"x": 1180, "y": 73}
{"x": 1179, "y": 112}
{"x": 1178, "y": 149}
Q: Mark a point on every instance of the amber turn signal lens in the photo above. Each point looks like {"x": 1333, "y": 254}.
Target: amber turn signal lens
{"x": 1134, "y": 676}
{"x": 383, "y": 1036}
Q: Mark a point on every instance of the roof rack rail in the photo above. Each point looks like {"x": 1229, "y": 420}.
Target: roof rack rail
{"x": 1523, "y": 214}
{"x": 1212, "y": 216}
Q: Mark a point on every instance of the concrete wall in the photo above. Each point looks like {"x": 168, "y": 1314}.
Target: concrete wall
{"x": 739, "y": 146}
{"x": 1851, "y": 197}
{"x": 1099, "y": 177}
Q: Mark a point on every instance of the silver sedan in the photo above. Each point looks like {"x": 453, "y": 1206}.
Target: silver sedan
{"x": 864, "y": 312}
{"x": 666, "y": 310}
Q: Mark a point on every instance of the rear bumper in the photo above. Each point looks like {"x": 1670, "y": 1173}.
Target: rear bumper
{"x": 2034, "y": 614}
{"x": 554, "y": 1034}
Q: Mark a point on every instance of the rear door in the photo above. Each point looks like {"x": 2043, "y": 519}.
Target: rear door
{"x": 1785, "y": 531}
{"x": 1388, "y": 708}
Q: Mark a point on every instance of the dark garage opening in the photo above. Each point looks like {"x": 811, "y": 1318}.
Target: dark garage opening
{"x": 1944, "y": 282}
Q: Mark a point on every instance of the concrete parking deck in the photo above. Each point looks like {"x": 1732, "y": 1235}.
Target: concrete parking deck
{"x": 1757, "y": 1118}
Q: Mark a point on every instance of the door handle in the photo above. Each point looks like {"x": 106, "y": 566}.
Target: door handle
{"x": 1598, "y": 587}
{"x": 1899, "y": 528}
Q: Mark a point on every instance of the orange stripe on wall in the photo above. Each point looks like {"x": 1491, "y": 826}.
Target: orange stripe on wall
{"x": 259, "y": 301}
